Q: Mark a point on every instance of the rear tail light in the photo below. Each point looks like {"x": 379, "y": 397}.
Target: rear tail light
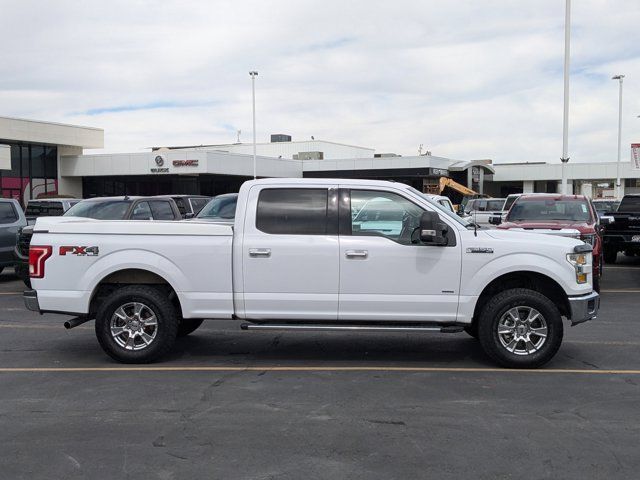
{"x": 37, "y": 256}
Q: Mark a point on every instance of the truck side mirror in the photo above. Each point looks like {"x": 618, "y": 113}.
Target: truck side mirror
{"x": 495, "y": 220}
{"x": 606, "y": 220}
{"x": 432, "y": 230}
{"x": 189, "y": 215}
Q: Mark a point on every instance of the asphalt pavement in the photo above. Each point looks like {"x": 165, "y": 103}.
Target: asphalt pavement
{"x": 229, "y": 404}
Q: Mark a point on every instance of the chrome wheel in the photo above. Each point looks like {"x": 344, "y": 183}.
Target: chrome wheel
{"x": 133, "y": 326}
{"x": 522, "y": 330}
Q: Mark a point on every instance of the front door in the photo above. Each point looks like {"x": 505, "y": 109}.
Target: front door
{"x": 385, "y": 276}
{"x": 290, "y": 254}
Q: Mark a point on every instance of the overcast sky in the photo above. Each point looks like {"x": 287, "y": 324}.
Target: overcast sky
{"x": 468, "y": 79}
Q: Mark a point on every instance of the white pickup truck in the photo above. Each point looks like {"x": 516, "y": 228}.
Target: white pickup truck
{"x": 314, "y": 254}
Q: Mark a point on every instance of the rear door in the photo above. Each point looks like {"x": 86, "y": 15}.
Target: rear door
{"x": 290, "y": 253}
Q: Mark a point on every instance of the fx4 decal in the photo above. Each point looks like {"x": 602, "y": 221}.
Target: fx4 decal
{"x": 81, "y": 251}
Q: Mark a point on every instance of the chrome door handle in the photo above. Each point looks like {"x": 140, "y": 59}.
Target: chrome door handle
{"x": 356, "y": 253}
{"x": 259, "y": 252}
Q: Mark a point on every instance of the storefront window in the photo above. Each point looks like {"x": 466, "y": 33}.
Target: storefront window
{"x": 33, "y": 174}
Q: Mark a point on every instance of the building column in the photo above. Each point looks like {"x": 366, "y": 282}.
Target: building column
{"x": 68, "y": 185}
{"x": 528, "y": 186}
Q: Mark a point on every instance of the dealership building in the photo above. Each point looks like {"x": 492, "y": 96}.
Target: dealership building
{"x": 39, "y": 159}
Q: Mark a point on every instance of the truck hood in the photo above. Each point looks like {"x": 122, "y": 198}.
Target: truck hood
{"x": 582, "y": 227}
{"x": 530, "y": 239}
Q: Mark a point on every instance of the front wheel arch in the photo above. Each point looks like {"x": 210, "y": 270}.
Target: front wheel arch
{"x": 535, "y": 281}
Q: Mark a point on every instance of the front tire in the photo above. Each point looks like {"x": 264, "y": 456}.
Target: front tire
{"x": 136, "y": 324}
{"x": 520, "y": 328}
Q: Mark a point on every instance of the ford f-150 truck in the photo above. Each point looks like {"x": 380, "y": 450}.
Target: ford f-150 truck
{"x": 314, "y": 254}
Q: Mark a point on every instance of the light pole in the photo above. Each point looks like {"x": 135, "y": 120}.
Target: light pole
{"x": 253, "y": 75}
{"x": 565, "y": 119}
{"x": 619, "y": 78}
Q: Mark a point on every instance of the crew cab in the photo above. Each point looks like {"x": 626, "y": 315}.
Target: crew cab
{"x": 314, "y": 254}
{"x": 622, "y": 229}
{"x": 565, "y": 215}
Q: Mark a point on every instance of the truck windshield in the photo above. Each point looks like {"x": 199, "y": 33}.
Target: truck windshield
{"x": 629, "y": 204}
{"x": 550, "y": 209}
{"x": 222, "y": 207}
{"x": 100, "y": 210}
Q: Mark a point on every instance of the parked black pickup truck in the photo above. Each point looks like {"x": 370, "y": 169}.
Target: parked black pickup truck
{"x": 622, "y": 229}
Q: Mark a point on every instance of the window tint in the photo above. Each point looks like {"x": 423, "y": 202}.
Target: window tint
{"x": 161, "y": 210}
{"x": 7, "y": 213}
{"x": 384, "y": 214}
{"x": 100, "y": 210}
{"x": 293, "y": 211}
{"x": 142, "y": 212}
{"x": 630, "y": 204}
{"x": 44, "y": 209}
{"x": 495, "y": 205}
{"x": 221, "y": 207}
{"x": 182, "y": 208}
{"x": 198, "y": 203}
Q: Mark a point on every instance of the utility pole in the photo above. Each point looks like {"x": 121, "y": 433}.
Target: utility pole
{"x": 253, "y": 75}
{"x": 565, "y": 119}
{"x": 618, "y": 189}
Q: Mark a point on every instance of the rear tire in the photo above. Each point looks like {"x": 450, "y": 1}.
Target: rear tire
{"x": 136, "y": 324}
{"x": 610, "y": 255}
{"x": 520, "y": 328}
{"x": 188, "y": 325}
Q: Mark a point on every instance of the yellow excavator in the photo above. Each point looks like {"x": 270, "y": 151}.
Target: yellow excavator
{"x": 465, "y": 192}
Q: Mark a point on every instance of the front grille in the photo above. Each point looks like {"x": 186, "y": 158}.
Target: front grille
{"x": 23, "y": 243}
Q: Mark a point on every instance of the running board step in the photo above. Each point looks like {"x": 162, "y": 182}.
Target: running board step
{"x": 357, "y": 328}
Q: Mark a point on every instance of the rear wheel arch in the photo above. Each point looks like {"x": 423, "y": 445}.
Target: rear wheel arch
{"x": 131, "y": 276}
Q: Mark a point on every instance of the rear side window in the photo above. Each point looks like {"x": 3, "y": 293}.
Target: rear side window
{"x": 7, "y": 213}
{"x": 495, "y": 205}
{"x": 292, "y": 211}
{"x": 161, "y": 210}
{"x": 182, "y": 208}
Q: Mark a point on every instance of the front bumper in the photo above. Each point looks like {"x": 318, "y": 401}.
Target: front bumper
{"x": 584, "y": 307}
{"x": 30, "y": 298}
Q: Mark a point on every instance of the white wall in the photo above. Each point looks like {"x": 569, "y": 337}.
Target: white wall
{"x": 51, "y": 133}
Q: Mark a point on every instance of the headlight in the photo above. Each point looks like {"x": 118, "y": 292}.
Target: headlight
{"x": 582, "y": 264}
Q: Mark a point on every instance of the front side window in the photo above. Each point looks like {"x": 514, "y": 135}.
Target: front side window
{"x": 141, "y": 212}
{"x": 293, "y": 211}
{"x": 161, "y": 210}
{"x": 384, "y": 214}
{"x": 7, "y": 213}
{"x": 198, "y": 203}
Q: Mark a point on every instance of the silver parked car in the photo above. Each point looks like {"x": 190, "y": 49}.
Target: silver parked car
{"x": 12, "y": 219}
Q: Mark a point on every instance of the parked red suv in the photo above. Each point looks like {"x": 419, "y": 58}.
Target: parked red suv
{"x": 567, "y": 215}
